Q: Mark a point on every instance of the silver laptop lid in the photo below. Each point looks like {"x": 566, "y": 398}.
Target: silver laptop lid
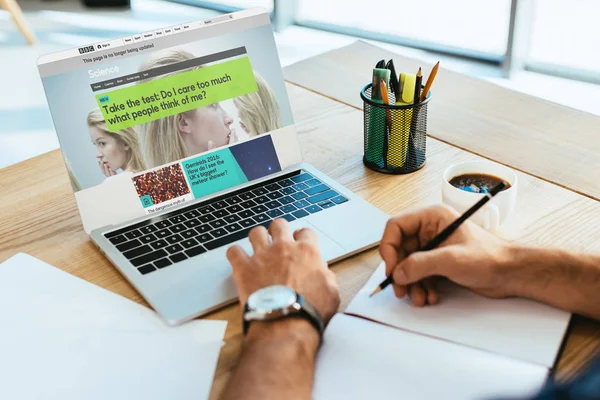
{"x": 151, "y": 121}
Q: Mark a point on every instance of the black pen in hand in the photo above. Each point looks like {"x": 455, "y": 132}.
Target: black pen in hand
{"x": 443, "y": 235}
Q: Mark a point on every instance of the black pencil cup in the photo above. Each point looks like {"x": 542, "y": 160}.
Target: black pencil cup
{"x": 395, "y": 134}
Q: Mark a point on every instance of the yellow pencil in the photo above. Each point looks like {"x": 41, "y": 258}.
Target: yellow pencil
{"x": 430, "y": 80}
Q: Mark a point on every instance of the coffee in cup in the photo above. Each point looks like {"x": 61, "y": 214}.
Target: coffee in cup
{"x": 477, "y": 183}
{"x": 465, "y": 183}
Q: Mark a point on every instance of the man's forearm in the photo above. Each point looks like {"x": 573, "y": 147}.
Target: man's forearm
{"x": 565, "y": 280}
{"x": 277, "y": 361}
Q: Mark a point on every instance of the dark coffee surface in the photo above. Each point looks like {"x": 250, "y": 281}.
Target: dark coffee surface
{"x": 476, "y": 183}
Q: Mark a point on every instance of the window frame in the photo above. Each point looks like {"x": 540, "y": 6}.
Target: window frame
{"x": 514, "y": 59}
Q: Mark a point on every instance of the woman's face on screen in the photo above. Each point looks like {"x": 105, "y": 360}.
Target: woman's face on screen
{"x": 109, "y": 151}
{"x": 205, "y": 128}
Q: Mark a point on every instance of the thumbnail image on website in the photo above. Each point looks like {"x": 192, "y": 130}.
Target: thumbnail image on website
{"x": 179, "y": 123}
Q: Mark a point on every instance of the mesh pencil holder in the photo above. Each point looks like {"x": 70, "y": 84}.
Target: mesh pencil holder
{"x": 395, "y": 135}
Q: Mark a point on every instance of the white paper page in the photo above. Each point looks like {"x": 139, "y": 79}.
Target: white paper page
{"x": 71, "y": 365}
{"x": 33, "y": 294}
{"x": 362, "y": 359}
{"x": 62, "y": 337}
{"x": 515, "y": 327}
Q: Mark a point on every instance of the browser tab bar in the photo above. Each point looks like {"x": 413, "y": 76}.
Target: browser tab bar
{"x": 191, "y": 25}
{"x": 109, "y": 45}
{"x": 87, "y": 54}
{"x": 147, "y": 35}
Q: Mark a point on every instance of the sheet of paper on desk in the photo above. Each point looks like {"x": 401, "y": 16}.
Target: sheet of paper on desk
{"x": 64, "y": 338}
{"x": 361, "y": 359}
{"x": 515, "y": 327}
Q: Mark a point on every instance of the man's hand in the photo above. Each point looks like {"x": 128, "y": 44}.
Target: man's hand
{"x": 292, "y": 260}
{"x": 278, "y": 359}
{"x": 470, "y": 257}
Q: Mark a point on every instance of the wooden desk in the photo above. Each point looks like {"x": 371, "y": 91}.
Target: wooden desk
{"x": 38, "y": 216}
{"x": 550, "y": 141}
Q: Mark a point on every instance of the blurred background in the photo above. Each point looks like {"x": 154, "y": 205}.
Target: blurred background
{"x": 546, "y": 48}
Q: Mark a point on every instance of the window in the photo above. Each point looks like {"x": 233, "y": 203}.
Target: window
{"x": 555, "y": 37}
{"x": 473, "y": 25}
{"x": 229, "y": 5}
{"x": 566, "y": 34}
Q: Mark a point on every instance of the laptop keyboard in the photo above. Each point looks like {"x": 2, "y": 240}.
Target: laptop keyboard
{"x": 187, "y": 232}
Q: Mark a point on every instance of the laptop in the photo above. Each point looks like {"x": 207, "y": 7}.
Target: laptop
{"x": 181, "y": 140}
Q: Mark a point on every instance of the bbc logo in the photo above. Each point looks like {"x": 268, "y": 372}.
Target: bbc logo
{"x": 87, "y": 49}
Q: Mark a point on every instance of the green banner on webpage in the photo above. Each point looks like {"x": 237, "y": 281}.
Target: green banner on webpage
{"x": 159, "y": 98}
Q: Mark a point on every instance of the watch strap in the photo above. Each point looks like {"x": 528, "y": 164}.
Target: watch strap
{"x": 245, "y": 323}
{"x": 314, "y": 316}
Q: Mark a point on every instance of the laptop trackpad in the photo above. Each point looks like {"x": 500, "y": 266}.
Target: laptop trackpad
{"x": 330, "y": 250}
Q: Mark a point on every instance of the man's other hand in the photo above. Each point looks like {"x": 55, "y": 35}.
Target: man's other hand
{"x": 470, "y": 257}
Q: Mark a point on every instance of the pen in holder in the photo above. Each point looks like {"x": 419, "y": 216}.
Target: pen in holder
{"x": 396, "y": 144}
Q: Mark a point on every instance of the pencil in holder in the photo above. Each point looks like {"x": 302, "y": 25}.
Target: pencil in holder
{"x": 395, "y": 134}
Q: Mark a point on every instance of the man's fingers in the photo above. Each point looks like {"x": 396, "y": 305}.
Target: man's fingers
{"x": 409, "y": 245}
{"x": 399, "y": 291}
{"x": 429, "y": 295}
{"x": 280, "y": 230}
{"x": 400, "y": 230}
{"x": 397, "y": 231}
{"x": 430, "y": 287}
{"x": 259, "y": 238}
{"x": 423, "y": 264}
{"x": 237, "y": 256}
{"x": 417, "y": 294}
{"x": 390, "y": 244}
{"x": 306, "y": 235}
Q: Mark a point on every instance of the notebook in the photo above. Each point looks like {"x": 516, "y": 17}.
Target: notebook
{"x": 64, "y": 338}
{"x": 466, "y": 347}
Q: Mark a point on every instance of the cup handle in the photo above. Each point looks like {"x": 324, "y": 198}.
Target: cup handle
{"x": 492, "y": 218}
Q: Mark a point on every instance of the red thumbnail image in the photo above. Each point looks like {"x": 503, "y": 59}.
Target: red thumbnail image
{"x": 161, "y": 185}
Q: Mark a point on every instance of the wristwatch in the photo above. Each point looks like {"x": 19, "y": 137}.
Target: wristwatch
{"x": 279, "y": 301}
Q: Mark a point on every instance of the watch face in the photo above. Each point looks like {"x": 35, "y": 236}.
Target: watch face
{"x": 271, "y": 298}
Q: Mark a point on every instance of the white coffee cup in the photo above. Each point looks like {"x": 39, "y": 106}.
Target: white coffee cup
{"x": 495, "y": 211}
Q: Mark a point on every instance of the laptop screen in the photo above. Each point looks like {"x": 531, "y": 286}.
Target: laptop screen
{"x": 149, "y": 122}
